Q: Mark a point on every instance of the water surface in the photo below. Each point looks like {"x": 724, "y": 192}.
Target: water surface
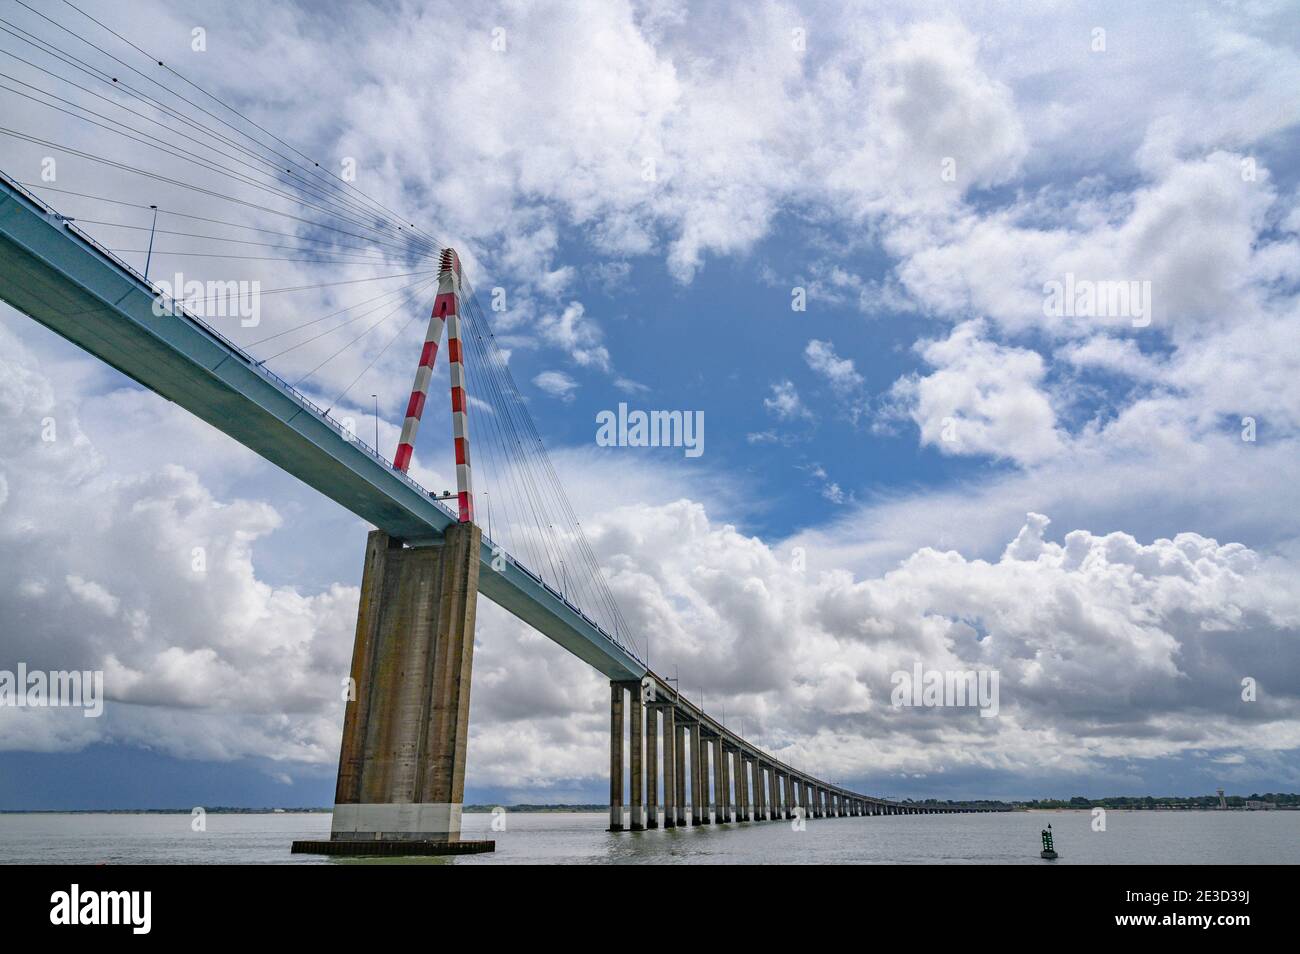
{"x": 579, "y": 838}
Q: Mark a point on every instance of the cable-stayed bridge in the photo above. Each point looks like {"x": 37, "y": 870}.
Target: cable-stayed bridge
{"x": 167, "y": 175}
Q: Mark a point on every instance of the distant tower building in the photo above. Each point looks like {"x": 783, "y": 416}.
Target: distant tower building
{"x": 1223, "y": 802}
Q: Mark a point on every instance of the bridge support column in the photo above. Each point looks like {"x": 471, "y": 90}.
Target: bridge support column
{"x": 402, "y": 762}
{"x": 679, "y": 771}
{"x": 615, "y": 756}
{"x": 697, "y": 778}
{"x": 670, "y": 769}
{"x": 652, "y": 767}
{"x": 719, "y": 782}
{"x": 742, "y": 785}
{"x": 728, "y": 800}
{"x": 706, "y": 782}
{"x": 636, "y": 739}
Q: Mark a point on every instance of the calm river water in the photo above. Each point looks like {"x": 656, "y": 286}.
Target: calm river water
{"x": 579, "y": 838}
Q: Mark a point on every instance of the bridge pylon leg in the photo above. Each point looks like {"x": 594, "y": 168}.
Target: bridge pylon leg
{"x": 401, "y": 777}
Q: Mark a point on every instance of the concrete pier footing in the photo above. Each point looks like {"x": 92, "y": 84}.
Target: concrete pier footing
{"x": 401, "y": 778}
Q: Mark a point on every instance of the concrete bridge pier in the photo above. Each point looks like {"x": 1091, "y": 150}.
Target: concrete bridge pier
{"x": 697, "y": 777}
{"x": 680, "y": 772}
{"x": 742, "y": 784}
{"x": 636, "y": 740}
{"x": 616, "y": 756}
{"x": 728, "y": 796}
{"x": 720, "y": 795}
{"x": 670, "y": 769}
{"x": 652, "y": 767}
{"x": 706, "y": 782}
{"x": 401, "y": 778}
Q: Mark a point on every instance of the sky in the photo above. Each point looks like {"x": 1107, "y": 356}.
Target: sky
{"x": 833, "y": 230}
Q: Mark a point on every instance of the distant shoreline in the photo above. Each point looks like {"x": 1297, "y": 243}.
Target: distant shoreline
{"x": 1288, "y": 803}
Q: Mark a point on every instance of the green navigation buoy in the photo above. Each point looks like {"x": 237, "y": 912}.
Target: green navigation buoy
{"x": 1048, "y": 852}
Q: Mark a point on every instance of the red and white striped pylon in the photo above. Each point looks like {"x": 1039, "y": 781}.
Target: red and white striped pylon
{"x": 459, "y": 399}
{"x": 446, "y": 308}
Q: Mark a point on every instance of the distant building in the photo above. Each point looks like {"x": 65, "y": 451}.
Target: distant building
{"x": 1223, "y": 802}
{"x": 1256, "y": 806}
